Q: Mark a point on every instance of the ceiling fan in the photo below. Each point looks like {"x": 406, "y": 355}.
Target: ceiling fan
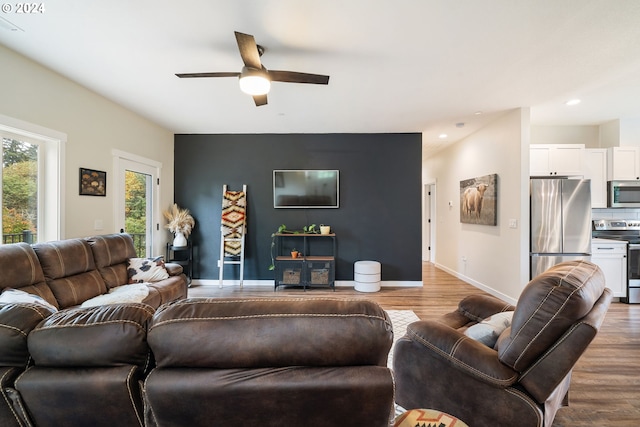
{"x": 255, "y": 79}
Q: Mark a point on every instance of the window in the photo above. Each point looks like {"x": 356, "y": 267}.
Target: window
{"x": 31, "y": 182}
{"x": 20, "y": 189}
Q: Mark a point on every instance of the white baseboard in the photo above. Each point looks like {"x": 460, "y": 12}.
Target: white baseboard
{"x": 269, "y": 283}
{"x": 478, "y": 285}
{"x": 225, "y": 283}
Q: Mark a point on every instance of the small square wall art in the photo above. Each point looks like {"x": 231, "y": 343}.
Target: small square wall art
{"x": 93, "y": 182}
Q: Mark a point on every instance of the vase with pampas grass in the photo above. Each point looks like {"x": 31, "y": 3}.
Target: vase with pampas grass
{"x": 180, "y": 223}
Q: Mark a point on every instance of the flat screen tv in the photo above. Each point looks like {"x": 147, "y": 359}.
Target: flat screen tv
{"x": 306, "y": 189}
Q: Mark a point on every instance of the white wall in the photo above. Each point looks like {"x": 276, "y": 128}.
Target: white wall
{"x": 587, "y": 135}
{"x": 610, "y": 134}
{"x": 497, "y": 257}
{"x": 94, "y": 126}
{"x": 615, "y": 133}
{"x": 629, "y": 132}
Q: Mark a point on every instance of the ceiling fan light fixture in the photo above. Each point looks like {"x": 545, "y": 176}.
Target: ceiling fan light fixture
{"x": 254, "y": 82}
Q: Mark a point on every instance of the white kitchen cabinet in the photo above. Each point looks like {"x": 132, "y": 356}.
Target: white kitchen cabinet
{"x": 596, "y": 170}
{"x": 623, "y": 163}
{"x": 611, "y": 257}
{"x": 556, "y": 160}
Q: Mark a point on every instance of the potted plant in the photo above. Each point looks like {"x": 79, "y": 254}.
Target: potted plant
{"x": 282, "y": 229}
{"x": 180, "y": 223}
{"x": 294, "y": 253}
{"x": 310, "y": 229}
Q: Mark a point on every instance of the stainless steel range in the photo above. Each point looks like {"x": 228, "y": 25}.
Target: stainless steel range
{"x": 627, "y": 230}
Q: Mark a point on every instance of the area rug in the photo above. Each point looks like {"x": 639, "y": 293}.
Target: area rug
{"x": 427, "y": 418}
{"x": 400, "y": 319}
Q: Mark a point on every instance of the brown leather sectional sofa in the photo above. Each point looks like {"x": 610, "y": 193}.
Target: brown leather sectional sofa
{"x": 201, "y": 362}
{"x": 65, "y": 274}
{"x": 190, "y": 362}
{"x": 68, "y": 272}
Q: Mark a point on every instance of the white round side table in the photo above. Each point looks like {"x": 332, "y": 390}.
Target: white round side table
{"x": 366, "y": 275}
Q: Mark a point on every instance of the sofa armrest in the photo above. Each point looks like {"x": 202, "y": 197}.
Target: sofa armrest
{"x": 174, "y": 269}
{"x": 462, "y": 353}
{"x": 479, "y": 307}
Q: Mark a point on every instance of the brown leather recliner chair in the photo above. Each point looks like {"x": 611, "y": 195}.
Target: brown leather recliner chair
{"x": 524, "y": 379}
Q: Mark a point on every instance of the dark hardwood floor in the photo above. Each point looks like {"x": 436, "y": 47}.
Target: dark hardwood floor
{"x": 605, "y": 388}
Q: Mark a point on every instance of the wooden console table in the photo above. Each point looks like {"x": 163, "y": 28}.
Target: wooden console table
{"x": 316, "y": 265}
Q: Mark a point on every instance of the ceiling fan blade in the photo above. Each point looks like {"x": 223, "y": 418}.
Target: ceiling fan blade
{"x": 260, "y": 100}
{"x": 294, "y": 77}
{"x": 192, "y": 75}
{"x": 248, "y": 50}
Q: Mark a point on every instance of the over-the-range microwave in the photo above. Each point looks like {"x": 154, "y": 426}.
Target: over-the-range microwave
{"x": 623, "y": 194}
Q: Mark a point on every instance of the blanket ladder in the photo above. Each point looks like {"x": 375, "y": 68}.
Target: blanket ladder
{"x": 233, "y": 230}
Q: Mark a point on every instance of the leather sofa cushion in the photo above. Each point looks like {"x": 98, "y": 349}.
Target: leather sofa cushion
{"x": 108, "y": 335}
{"x": 16, "y": 321}
{"x": 70, "y": 271}
{"x": 63, "y": 258}
{"x": 257, "y": 333}
{"x": 82, "y": 396}
{"x": 111, "y": 253}
{"x": 21, "y": 269}
{"x": 271, "y": 397}
{"x": 547, "y": 307}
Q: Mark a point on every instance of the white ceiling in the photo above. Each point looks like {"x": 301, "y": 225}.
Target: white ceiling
{"x": 395, "y": 66}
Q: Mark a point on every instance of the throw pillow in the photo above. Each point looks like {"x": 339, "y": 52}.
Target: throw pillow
{"x": 488, "y": 331}
{"x": 16, "y": 296}
{"x": 140, "y": 270}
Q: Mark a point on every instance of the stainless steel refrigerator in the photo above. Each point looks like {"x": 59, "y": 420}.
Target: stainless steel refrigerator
{"x": 560, "y": 222}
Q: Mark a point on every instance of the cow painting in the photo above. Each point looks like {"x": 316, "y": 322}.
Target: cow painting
{"x": 478, "y": 200}
{"x": 472, "y": 199}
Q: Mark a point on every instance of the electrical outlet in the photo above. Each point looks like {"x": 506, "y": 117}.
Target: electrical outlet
{"x": 97, "y": 224}
{"x": 513, "y": 223}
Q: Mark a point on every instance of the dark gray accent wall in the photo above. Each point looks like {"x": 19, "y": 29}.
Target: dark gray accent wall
{"x": 379, "y": 217}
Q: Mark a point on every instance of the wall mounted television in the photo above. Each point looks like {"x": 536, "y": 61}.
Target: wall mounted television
{"x": 306, "y": 188}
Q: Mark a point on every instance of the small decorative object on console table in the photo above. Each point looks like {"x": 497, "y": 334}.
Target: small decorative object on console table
{"x": 180, "y": 222}
{"x": 179, "y": 240}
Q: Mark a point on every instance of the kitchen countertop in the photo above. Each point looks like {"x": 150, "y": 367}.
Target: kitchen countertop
{"x": 611, "y": 241}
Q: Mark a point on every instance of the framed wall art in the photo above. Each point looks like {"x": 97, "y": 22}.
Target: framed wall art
{"x": 93, "y": 182}
{"x": 479, "y": 200}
